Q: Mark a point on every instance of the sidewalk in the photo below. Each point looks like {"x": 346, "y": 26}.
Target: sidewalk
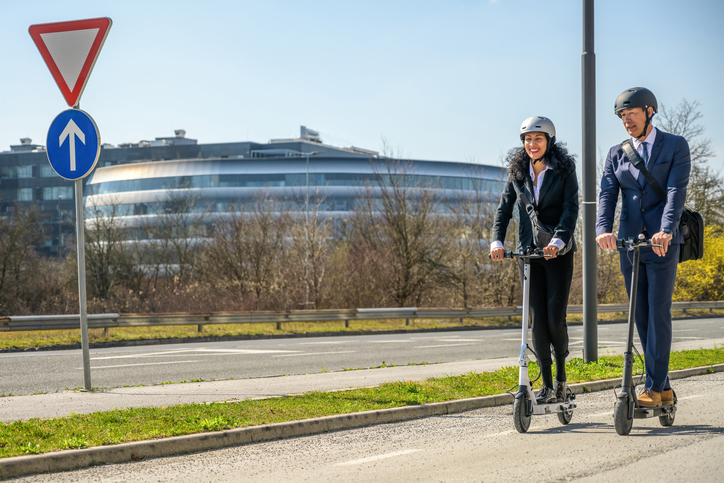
{"x": 62, "y": 404}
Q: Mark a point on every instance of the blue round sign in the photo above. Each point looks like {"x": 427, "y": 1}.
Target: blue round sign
{"x": 73, "y": 144}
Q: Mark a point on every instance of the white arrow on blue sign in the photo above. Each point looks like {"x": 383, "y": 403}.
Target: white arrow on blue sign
{"x": 73, "y": 144}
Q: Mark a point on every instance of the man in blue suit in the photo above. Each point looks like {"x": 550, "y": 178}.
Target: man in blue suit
{"x": 668, "y": 160}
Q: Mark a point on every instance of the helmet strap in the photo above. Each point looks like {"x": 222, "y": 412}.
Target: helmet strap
{"x": 646, "y": 124}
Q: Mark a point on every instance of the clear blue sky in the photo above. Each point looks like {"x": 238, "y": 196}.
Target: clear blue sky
{"x": 437, "y": 80}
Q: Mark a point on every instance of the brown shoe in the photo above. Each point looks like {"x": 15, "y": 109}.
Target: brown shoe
{"x": 649, "y": 398}
{"x": 667, "y": 397}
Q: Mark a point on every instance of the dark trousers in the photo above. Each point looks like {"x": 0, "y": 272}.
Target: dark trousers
{"x": 550, "y": 284}
{"x": 655, "y": 290}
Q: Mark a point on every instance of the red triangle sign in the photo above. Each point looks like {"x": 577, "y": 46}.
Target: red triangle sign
{"x": 70, "y": 50}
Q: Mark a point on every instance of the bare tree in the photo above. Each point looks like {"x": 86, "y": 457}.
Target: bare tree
{"x": 398, "y": 219}
{"x": 706, "y": 185}
{"x": 20, "y": 232}
{"x": 246, "y": 254}
{"x": 106, "y": 260}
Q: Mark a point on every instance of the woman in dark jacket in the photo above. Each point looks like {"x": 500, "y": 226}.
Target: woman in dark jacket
{"x": 544, "y": 175}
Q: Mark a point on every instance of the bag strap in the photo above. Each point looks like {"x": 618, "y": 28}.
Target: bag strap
{"x": 639, "y": 164}
{"x": 528, "y": 206}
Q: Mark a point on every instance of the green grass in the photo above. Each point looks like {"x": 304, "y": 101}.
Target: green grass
{"x": 49, "y": 338}
{"x": 37, "y": 436}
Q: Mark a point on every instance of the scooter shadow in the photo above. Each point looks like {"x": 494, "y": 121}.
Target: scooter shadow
{"x": 680, "y": 430}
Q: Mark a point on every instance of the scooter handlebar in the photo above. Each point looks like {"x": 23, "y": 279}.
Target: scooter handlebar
{"x": 640, "y": 242}
{"x": 524, "y": 254}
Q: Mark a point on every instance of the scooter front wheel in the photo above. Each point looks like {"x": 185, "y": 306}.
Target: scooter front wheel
{"x": 623, "y": 421}
{"x": 521, "y": 417}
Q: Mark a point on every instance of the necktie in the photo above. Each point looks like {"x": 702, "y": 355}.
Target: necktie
{"x": 645, "y": 157}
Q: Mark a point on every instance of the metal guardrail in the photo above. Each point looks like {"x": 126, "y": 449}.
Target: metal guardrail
{"x": 105, "y": 321}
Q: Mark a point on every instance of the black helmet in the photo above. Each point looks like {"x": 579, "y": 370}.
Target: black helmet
{"x": 636, "y": 97}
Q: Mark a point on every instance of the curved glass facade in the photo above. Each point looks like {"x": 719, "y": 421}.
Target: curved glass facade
{"x": 138, "y": 192}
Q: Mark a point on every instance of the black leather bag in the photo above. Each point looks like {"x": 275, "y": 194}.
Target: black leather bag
{"x": 691, "y": 223}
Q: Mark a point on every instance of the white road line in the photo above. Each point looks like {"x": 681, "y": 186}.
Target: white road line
{"x": 460, "y": 340}
{"x": 135, "y": 365}
{"x": 439, "y": 345}
{"x": 323, "y": 342}
{"x": 689, "y": 397}
{"x": 387, "y": 341}
{"x": 378, "y": 457}
{"x": 193, "y": 351}
{"x": 598, "y": 415}
{"x": 315, "y": 353}
{"x": 684, "y": 330}
{"x": 682, "y": 337}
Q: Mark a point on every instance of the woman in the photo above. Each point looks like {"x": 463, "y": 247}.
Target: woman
{"x": 543, "y": 174}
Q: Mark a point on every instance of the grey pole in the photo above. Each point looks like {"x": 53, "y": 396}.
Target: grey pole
{"x": 590, "y": 312}
{"x": 60, "y": 228}
{"x": 306, "y": 215}
{"x": 80, "y": 237}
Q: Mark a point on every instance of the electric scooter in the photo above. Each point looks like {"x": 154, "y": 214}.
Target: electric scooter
{"x": 525, "y": 405}
{"x": 626, "y": 408}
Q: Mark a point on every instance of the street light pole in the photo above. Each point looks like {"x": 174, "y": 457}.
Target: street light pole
{"x": 60, "y": 226}
{"x": 306, "y": 215}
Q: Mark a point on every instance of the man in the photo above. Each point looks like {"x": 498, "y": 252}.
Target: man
{"x": 668, "y": 160}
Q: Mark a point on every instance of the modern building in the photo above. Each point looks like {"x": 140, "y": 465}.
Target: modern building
{"x": 136, "y": 181}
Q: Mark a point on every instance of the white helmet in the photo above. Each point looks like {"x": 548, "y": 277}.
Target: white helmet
{"x": 539, "y": 124}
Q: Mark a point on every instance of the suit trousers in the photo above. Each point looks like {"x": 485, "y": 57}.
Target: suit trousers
{"x": 550, "y": 284}
{"x": 654, "y": 293}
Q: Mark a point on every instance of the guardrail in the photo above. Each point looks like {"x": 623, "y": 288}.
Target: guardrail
{"x": 105, "y": 321}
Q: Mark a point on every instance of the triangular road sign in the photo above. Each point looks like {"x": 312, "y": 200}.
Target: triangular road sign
{"x": 70, "y": 50}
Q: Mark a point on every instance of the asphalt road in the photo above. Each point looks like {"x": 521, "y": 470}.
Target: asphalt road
{"x": 53, "y": 371}
{"x": 478, "y": 445}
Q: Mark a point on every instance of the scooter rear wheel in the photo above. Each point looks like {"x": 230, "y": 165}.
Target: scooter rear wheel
{"x": 667, "y": 419}
{"x": 623, "y": 421}
{"x": 565, "y": 416}
{"x": 520, "y": 408}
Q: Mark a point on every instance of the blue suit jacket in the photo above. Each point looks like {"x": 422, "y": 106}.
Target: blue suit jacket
{"x": 669, "y": 164}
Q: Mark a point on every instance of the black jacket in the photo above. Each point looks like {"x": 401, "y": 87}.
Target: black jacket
{"x": 557, "y": 205}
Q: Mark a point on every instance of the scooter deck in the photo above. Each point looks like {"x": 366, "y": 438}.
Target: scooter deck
{"x": 552, "y": 408}
{"x": 642, "y": 412}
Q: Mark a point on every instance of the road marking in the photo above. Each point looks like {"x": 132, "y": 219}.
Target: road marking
{"x": 316, "y": 353}
{"x": 388, "y": 341}
{"x": 681, "y": 337}
{"x": 598, "y": 415}
{"x": 378, "y": 457}
{"x": 187, "y": 352}
{"x": 323, "y": 342}
{"x": 502, "y": 433}
{"x": 439, "y": 345}
{"x": 460, "y": 340}
{"x": 135, "y": 365}
{"x": 684, "y": 330}
{"x": 689, "y": 397}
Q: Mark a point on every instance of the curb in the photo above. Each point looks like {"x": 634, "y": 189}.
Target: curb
{"x": 192, "y": 443}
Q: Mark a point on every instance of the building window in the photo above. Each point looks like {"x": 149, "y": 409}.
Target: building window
{"x": 25, "y": 171}
{"x": 46, "y": 171}
{"x": 55, "y": 192}
{"x": 25, "y": 194}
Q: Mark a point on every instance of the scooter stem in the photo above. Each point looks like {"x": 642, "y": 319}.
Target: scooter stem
{"x": 628, "y": 357}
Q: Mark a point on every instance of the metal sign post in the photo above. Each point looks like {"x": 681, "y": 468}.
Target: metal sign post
{"x": 70, "y": 50}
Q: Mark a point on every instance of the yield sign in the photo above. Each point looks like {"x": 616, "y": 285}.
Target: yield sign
{"x": 70, "y": 50}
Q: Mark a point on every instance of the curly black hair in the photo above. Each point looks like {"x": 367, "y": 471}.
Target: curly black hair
{"x": 557, "y": 158}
